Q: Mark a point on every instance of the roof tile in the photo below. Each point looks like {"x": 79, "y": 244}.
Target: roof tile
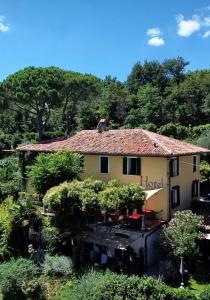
{"x": 118, "y": 142}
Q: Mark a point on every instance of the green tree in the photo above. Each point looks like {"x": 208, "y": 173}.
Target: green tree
{"x": 204, "y": 139}
{"x": 35, "y": 91}
{"x": 51, "y": 169}
{"x": 10, "y": 177}
{"x": 153, "y": 106}
{"x": 151, "y": 72}
{"x": 113, "y": 103}
{"x": 79, "y": 94}
{"x": 204, "y": 171}
{"x": 175, "y": 68}
{"x": 182, "y": 233}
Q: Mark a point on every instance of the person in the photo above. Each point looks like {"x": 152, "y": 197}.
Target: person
{"x": 104, "y": 259}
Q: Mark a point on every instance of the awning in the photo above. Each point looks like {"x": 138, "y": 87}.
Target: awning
{"x": 151, "y": 193}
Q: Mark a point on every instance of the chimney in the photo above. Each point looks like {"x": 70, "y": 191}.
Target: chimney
{"x": 102, "y": 125}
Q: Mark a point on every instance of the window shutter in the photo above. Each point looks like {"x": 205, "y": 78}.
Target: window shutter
{"x": 124, "y": 165}
{"x": 195, "y": 188}
{"x": 197, "y": 183}
{"x": 177, "y": 165}
{"x": 178, "y": 195}
{"x": 172, "y": 199}
{"x": 171, "y": 167}
{"x": 192, "y": 189}
{"x": 138, "y": 166}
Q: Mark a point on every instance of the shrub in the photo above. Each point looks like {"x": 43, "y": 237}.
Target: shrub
{"x": 204, "y": 171}
{"x": 10, "y": 177}
{"x": 57, "y": 265}
{"x": 52, "y": 169}
{"x": 205, "y": 294}
{"x": 15, "y": 275}
{"x": 15, "y": 219}
{"x": 104, "y": 286}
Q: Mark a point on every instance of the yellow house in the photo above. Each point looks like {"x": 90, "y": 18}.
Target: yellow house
{"x": 167, "y": 168}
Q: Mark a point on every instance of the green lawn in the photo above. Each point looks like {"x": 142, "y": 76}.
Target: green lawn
{"x": 196, "y": 286}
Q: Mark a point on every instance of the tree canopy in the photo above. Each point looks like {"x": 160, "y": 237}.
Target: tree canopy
{"x": 51, "y": 169}
{"x": 182, "y": 233}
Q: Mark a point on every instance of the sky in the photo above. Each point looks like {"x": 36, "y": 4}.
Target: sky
{"x": 102, "y": 37}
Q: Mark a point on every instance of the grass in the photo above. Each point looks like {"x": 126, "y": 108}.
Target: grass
{"x": 62, "y": 293}
{"x": 196, "y": 286}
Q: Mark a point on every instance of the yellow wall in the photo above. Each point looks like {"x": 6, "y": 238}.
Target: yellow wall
{"x": 184, "y": 180}
{"x": 153, "y": 170}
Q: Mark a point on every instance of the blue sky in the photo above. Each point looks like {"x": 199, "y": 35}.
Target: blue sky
{"x": 102, "y": 37}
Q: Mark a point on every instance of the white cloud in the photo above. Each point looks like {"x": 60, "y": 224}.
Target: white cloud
{"x": 206, "y": 21}
{"x": 156, "y": 41}
{"x": 155, "y": 37}
{"x": 3, "y": 26}
{"x": 188, "y": 27}
{"x": 154, "y": 32}
{"x": 206, "y": 34}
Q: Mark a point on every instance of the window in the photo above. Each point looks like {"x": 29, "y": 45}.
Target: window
{"x": 104, "y": 164}
{"x": 194, "y": 163}
{"x": 82, "y": 161}
{"x": 132, "y": 165}
{"x": 174, "y": 167}
{"x": 195, "y": 188}
{"x": 175, "y": 196}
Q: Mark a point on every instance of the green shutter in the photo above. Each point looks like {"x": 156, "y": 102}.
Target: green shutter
{"x": 124, "y": 165}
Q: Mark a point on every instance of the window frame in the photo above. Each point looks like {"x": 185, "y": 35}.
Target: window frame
{"x": 172, "y": 166}
{"x": 177, "y": 189}
{"x": 127, "y": 164}
{"x": 108, "y": 167}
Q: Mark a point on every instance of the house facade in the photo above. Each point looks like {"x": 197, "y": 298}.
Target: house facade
{"x": 167, "y": 168}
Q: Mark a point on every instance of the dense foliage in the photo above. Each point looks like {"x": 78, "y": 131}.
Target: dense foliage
{"x": 10, "y": 177}
{"x": 40, "y": 103}
{"x": 18, "y": 280}
{"x": 57, "y": 265}
{"x": 16, "y": 217}
{"x": 51, "y": 169}
{"x": 183, "y": 232}
{"x": 102, "y": 286}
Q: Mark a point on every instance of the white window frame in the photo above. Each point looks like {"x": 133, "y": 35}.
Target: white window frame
{"x": 100, "y": 164}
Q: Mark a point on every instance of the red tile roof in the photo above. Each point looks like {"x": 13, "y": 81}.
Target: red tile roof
{"x": 118, "y": 142}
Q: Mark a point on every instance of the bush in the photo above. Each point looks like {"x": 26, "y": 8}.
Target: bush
{"x": 53, "y": 169}
{"x": 103, "y": 286}
{"x": 10, "y": 177}
{"x": 15, "y": 275}
{"x": 205, "y": 294}
{"x": 57, "y": 265}
{"x": 174, "y": 130}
